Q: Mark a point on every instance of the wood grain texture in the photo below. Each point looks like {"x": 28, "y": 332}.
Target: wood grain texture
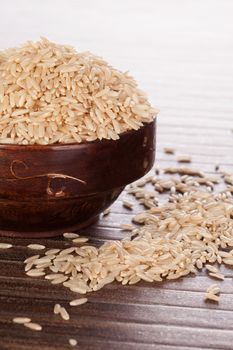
{"x": 181, "y": 52}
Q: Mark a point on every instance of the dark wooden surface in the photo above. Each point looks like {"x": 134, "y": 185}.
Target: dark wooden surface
{"x": 181, "y": 52}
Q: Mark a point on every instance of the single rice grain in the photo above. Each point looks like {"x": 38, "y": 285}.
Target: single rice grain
{"x": 184, "y": 159}
{"x": 5, "y": 246}
{"x": 33, "y": 326}
{"x": 70, "y": 235}
{"x": 127, "y": 204}
{"x": 36, "y": 246}
{"x": 77, "y": 302}
{"x": 64, "y": 314}
{"x": 106, "y": 212}
{"x": 73, "y": 342}
{"x": 80, "y": 240}
{"x": 169, "y": 150}
{"x": 21, "y": 320}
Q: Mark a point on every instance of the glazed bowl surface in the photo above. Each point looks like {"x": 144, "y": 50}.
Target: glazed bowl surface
{"x": 48, "y": 190}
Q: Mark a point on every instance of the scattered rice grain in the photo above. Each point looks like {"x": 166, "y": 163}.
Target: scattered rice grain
{"x": 21, "y": 320}
{"x": 212, "y": 297}
{"x": 70, "y": 235}
{"x": 33, "y": 326}
{"x": 77, "y": 302}
{"x": 36, "y": 246}
{"x": 106, "y": 212}
{"x": 80, "y": 240}
{"x": 64, "y": 314}
{"x": 169, "y": 150}
{"x": 127, "y": 204}
{"x": 184, "y": 159}
{"x": 56, "y": 309}
{"x": 218, "y": 276}
{"x": 5, "y": 245}
{"x": 73, "y": 342}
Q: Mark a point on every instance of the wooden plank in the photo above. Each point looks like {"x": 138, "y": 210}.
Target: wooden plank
{"x": 133, "y": 332}
{"x": 153, "y": 314}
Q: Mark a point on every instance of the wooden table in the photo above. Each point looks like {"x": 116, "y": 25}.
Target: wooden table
{"x": 181, "y": 52}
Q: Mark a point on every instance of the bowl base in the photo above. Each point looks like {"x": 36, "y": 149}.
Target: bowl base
{"x": 52, "y": 233}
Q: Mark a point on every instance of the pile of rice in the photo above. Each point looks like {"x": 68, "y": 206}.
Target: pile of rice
{"x": 50, "y": 94}
{"x": 192, "y": 228}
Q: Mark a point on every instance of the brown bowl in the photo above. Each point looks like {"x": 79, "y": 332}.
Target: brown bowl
{"x": 47, "y": 190}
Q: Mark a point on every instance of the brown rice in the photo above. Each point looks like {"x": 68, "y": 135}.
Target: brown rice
{"x": 21, "y": 320}
{"x": 77, "y": 302}
{"x": 5, "y": 246}
{"x": 192, "y": 229}
{"x": 73, "y": 342}
{"x": 36, "y": 246}
{"x": 50, "y": 93}
{"x": 33, "y": 326}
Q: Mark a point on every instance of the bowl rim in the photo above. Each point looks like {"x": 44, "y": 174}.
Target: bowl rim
{"x": 58, "y": 146}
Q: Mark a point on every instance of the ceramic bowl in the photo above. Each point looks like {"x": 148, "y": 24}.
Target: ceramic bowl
{"x": 48, "y": 190}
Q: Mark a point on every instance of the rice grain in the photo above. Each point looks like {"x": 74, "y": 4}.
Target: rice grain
{"x": 73, "y": 342}
{"x": 77, "y": 302}
{"x": 36, "y": 246}
{"x": 106, "y": 212}
{"x": 80, "y": 240}
{"x": 218, "y": 276}
{"x": 184, "y": 159}
{"x": 169, "y": 150}
{"x": 64, "y": 314}
{"x": 56, "y": 309}
{"x": 127, "y": 204}
{"x": 5, "y": 246}
{"x": 21, "y": 320}
{"x": 70, "y": 235}
{"x": 33, "y": 326}
{"x": 212, "y": 297}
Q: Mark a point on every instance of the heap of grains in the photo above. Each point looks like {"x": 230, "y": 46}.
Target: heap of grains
{"x": 191, "y": 227}
{"x": 51, "y": 93}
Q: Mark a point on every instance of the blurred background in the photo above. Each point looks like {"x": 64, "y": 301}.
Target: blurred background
{"x": 180, "y": 52}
